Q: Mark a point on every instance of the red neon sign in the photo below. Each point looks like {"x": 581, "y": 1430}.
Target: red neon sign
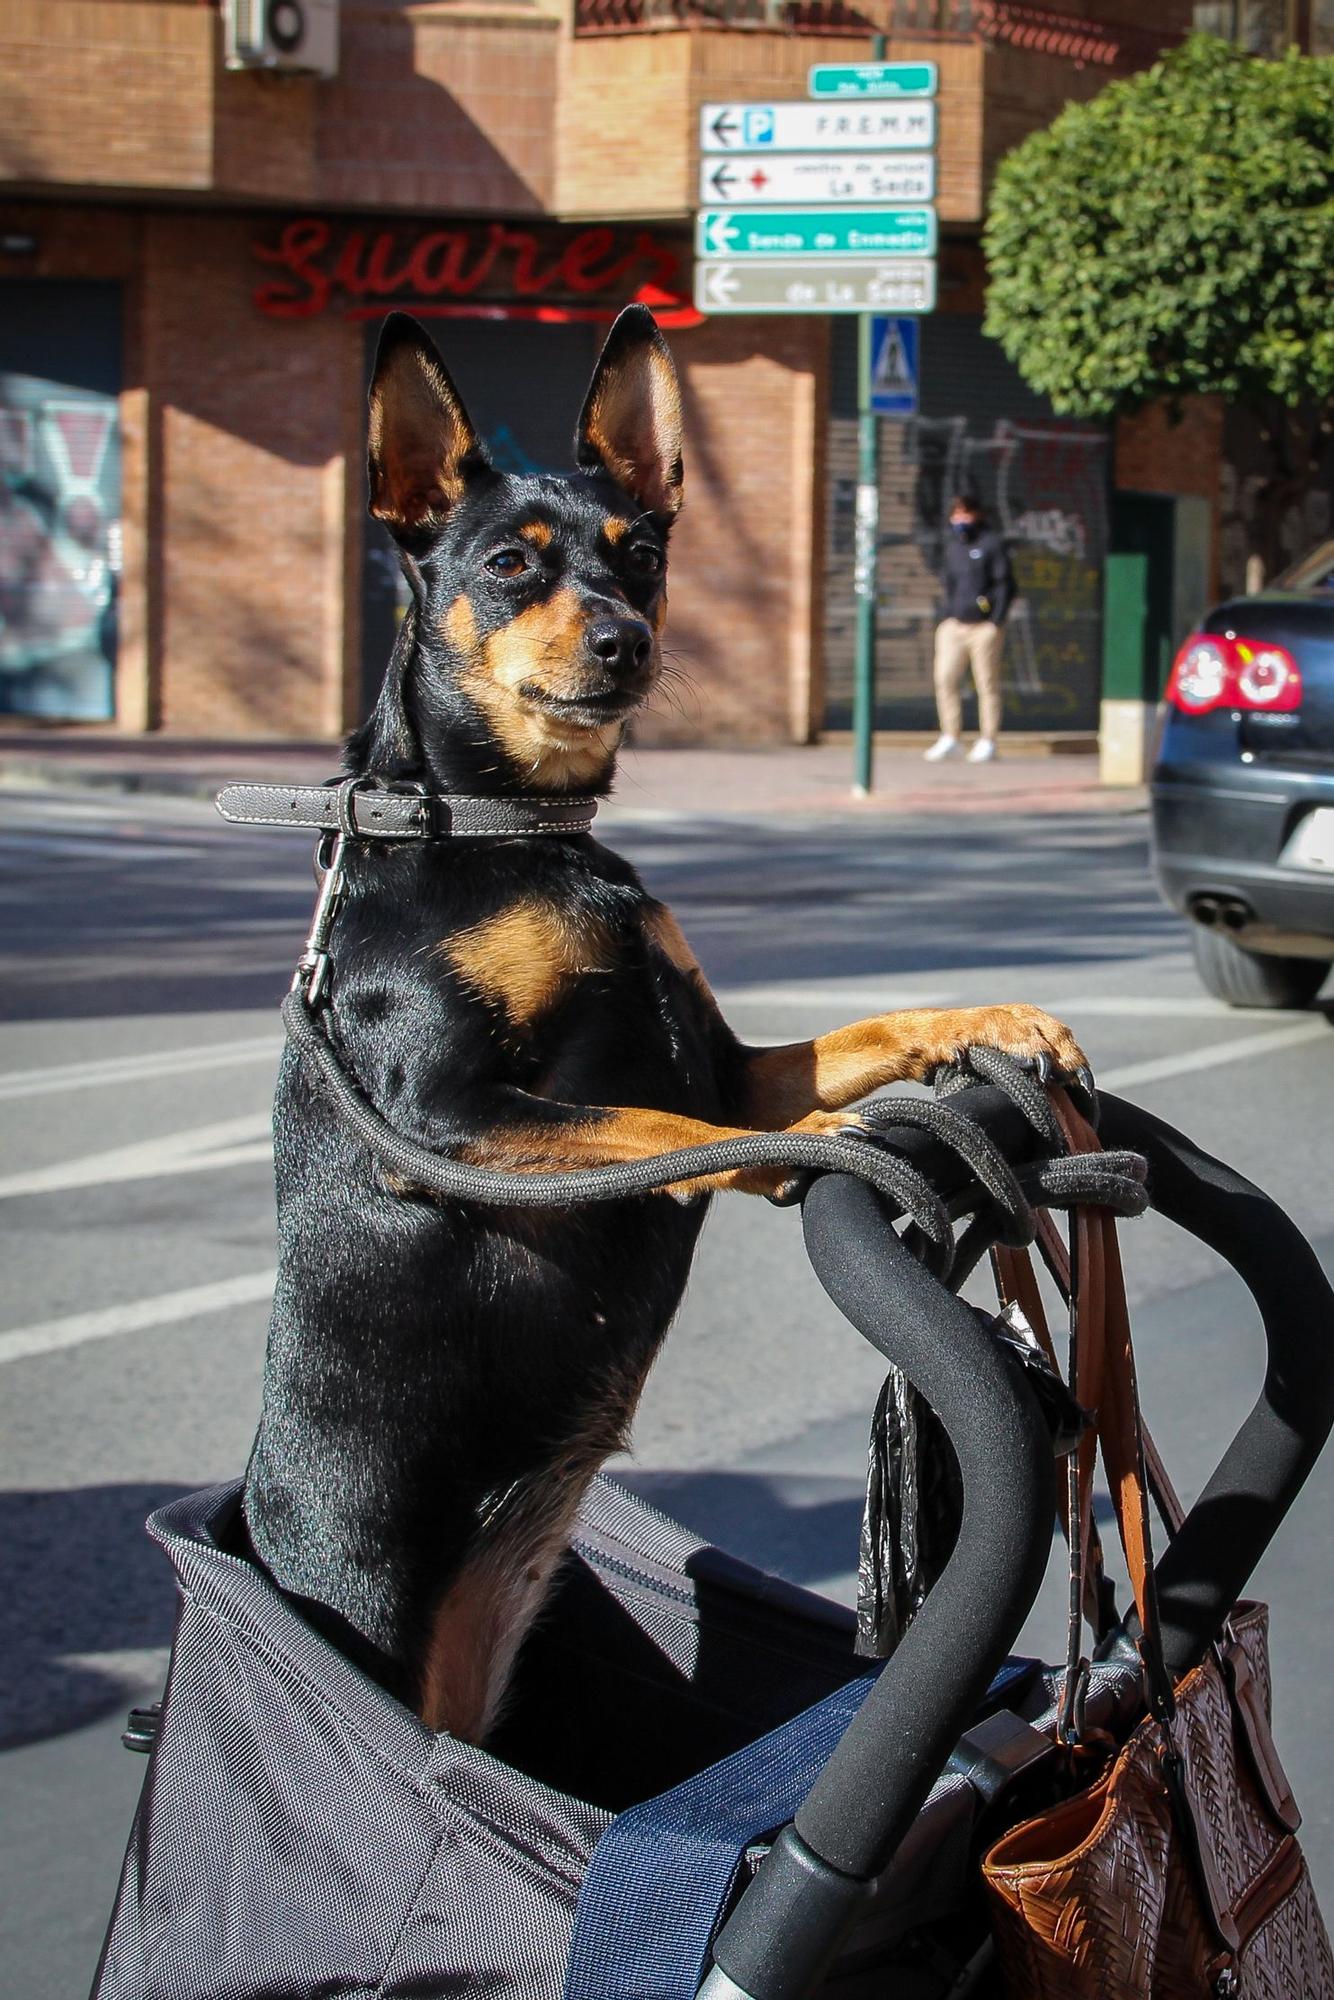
{"x": 473, "y": 271}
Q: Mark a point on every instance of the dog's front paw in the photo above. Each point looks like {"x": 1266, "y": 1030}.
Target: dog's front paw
{"x": 1020, "y": 1030}
{"x": 789, "y": 1186}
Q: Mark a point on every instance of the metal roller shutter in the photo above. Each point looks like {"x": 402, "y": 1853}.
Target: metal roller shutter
{"x": 1044, "y": 480}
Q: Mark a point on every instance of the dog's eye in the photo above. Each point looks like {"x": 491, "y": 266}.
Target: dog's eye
{"x": 645, "y": 560}
{"x": 507, "y": 562}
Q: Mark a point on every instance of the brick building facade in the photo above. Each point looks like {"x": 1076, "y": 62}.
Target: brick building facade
{"x": 193, "y": 262}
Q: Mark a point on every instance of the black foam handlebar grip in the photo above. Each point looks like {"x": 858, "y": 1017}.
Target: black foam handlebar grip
{"x": 1208, "y": 1564}
{"x": 892, "y": 1752}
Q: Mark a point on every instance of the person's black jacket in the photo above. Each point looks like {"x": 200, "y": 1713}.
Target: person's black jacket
{"x": 977, "y": 580}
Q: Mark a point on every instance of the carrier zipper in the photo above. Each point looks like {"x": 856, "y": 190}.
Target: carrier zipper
{"x": 735, "y": 1618}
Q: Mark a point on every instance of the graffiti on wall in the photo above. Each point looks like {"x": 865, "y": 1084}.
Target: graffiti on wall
{"x": 59, "y": 549}
{"x": 1044, "y": 486}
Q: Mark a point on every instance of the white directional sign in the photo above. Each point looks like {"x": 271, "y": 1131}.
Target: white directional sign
{"x": 813, "y": 180}
{"x": 817, "y": 285}
{"x": 834, "y": 127}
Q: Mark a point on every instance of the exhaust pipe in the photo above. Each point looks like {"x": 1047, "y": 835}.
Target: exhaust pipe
{"x": 1229, "y": 911}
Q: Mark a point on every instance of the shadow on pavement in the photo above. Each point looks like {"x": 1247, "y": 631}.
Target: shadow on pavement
{"x": 87, "y": 1603}
{"x": 203, "y": 919}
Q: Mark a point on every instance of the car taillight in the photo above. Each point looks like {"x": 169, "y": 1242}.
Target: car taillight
{"x": 1199, "y": 675}
{"x": 1267, "y": 676}
{"x": 1224, "y": 670}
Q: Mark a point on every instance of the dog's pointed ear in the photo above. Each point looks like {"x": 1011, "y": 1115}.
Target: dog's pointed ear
{"x": 422, "y": 445}
{"x": 630, "y": 427}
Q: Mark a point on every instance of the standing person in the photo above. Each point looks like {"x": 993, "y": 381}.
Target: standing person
{"x": 978, "y": 588}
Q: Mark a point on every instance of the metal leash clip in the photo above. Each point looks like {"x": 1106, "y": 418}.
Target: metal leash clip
{"x": 313, "y": 965}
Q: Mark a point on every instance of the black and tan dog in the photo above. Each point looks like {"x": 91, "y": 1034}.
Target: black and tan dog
{"x": 442, "y": 1380}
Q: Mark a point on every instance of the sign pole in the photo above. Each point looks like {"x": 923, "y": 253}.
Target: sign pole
{"x": 865, "y": 554}
{"x": 866, "y": 550}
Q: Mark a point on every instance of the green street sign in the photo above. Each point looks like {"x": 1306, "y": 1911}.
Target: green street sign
{"x": 888, "y": 79}
{"x": 815, "y": 232}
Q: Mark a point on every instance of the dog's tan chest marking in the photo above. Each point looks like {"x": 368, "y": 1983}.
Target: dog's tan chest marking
{"x": 525, "y": 959}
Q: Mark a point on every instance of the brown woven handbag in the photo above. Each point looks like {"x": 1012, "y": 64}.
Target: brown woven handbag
{"x": 1175, "y": 1873}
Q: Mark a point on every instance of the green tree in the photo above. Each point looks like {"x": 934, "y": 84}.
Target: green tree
{"x": 1174, "y": 236}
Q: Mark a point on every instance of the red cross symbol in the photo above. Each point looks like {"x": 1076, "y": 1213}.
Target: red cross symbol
{"x": 759, "y": 179}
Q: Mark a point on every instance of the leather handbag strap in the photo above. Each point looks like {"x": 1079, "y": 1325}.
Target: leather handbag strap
{"x": 1102, "y": 1323}
{"x": 1016, "y": 1280}
{"x": 1016, "y": 1283}
{"x": 1103, "y": 1381}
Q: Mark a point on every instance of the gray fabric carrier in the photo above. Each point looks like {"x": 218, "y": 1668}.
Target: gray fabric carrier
{"x": 301, "y": 1834}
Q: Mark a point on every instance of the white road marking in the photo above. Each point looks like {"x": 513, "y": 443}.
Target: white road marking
{"x": 135, "y": 1068}
{"x": 188, "y": 1152}
{"x": 1136, "y": 1006}
{"x": 230, "y": 1143}
{"x": 1243, "y": 1049}
{"x": 88, "y": 847}
{"x": 866, "y": 994}
{"x": 165, "y": 1310}
{"x": 246, "y": 1141}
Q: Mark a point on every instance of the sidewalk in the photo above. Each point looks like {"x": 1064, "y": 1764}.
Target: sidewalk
{"x": 696, "y": 784}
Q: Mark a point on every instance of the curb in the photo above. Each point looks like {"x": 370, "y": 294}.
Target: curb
{"x": 30, "y": 771}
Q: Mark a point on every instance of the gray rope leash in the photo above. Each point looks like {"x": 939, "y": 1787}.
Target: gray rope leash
{"x": 1024, "y": 1087}
{"x": 1114, "y": 1180}
{"x": 802, "y": 1152}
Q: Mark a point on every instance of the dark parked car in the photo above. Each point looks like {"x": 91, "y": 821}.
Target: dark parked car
{"x": 1243, "y": 790}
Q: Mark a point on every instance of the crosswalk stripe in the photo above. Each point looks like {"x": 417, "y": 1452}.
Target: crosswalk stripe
{"x": 231, "y": 1142}
{"x": 135, "y": 1068}
{"x": 167, "y": 1309}
{"x": 1244, "y": 1048}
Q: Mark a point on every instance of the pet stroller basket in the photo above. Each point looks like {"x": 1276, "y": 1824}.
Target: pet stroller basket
{"x": 689, "y": 1741}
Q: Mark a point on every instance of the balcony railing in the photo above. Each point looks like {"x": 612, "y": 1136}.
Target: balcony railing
{"x": 1100, "y": 44}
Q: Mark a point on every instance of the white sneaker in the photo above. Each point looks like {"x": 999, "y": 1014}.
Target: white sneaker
{"x": 944, "y": 746}
{"x": 983, "y": 750}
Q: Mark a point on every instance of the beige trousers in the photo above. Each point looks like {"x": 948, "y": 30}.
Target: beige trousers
{"x": 958, "y": 647}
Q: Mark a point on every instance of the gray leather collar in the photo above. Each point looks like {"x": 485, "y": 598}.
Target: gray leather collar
{"x": 358, "y": 810}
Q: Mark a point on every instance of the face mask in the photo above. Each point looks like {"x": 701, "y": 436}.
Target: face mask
{"x": 963, "y": 529}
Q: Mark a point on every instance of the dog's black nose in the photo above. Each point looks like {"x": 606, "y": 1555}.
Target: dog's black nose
{"x": 622, "y": 644}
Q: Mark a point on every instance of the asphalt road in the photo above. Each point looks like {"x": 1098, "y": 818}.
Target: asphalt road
{"x": 145, "y": 948}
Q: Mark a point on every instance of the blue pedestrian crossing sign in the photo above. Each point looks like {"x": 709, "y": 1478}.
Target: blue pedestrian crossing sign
{"x": 894, "y": 354}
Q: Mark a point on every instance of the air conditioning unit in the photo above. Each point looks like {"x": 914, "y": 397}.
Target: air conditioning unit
{"x": 300, "y": 35}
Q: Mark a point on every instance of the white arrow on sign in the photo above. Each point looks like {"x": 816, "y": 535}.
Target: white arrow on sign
{"x": 832, "y": 127}
{"x": 816, "y": 180}
{"x": 719, "y": 283}
{"x": 719, "y": 235}
{"x": 817, "y": 285}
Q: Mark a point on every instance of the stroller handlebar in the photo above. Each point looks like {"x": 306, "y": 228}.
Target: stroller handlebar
{"x": 1207, "y": 1565}
{"x": 787, "y": 1926}
{"x": 893, "y": 1750}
